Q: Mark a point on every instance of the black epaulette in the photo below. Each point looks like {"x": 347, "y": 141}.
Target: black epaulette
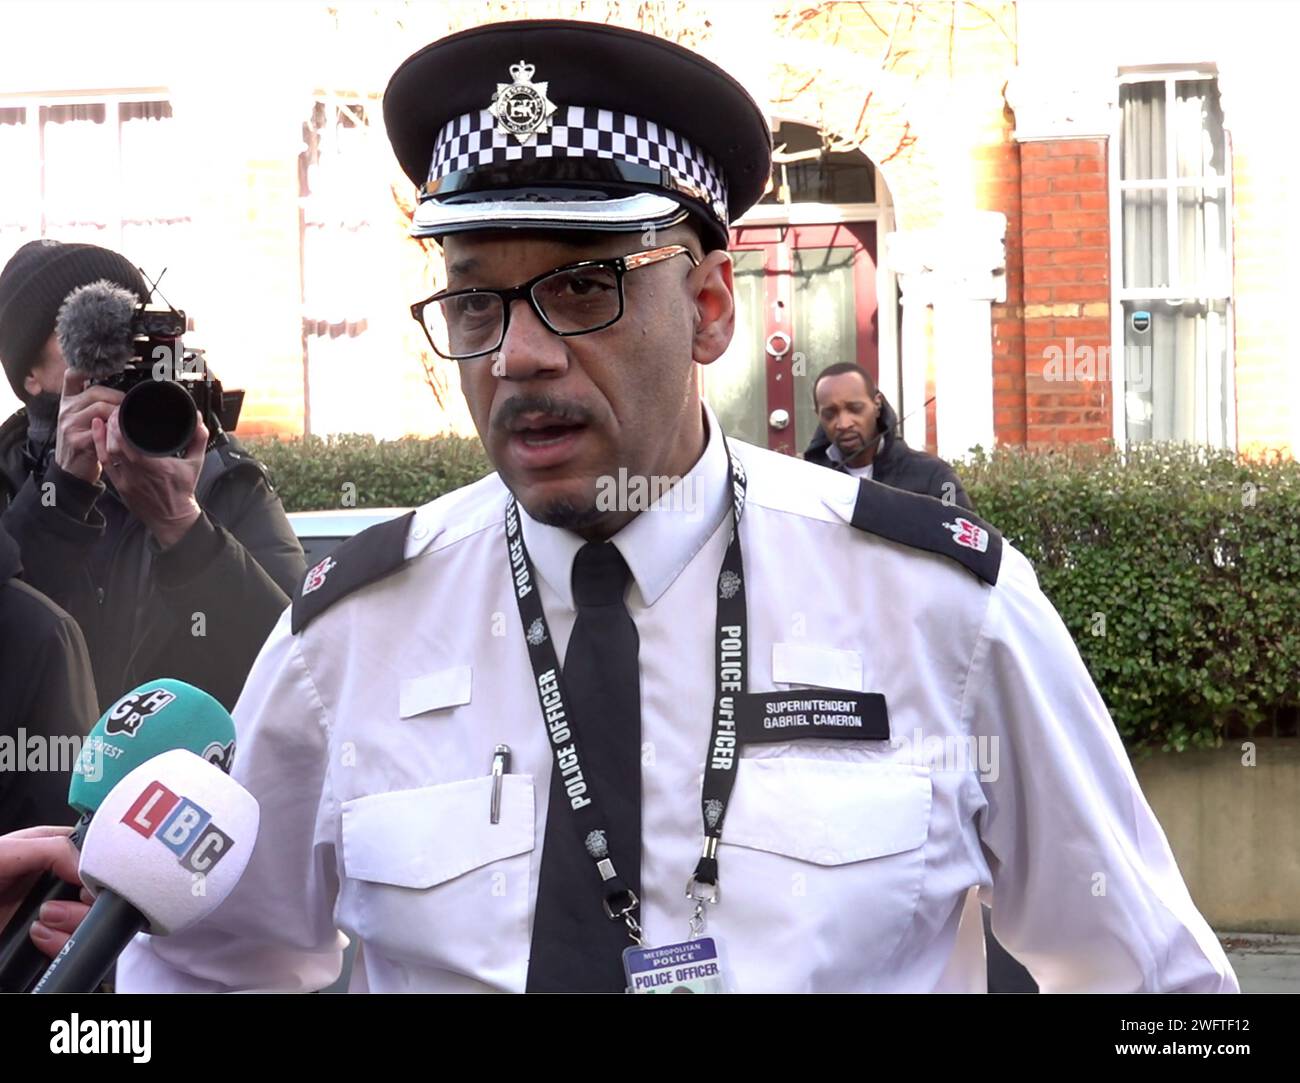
{"x": 377, "y": 551}
{"x": 926, "y": 523}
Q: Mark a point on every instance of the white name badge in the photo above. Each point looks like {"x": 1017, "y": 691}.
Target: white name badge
{"x": 689, "y": 967}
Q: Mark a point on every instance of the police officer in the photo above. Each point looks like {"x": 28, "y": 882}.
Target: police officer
{"x": 595, "y": 721}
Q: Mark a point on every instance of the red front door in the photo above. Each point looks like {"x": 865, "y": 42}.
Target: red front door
{"x": 805, "y": 299}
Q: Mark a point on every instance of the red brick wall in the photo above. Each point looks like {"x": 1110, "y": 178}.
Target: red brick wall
{"x": 998, "y": 180}
{"x": 1064, "y": 243}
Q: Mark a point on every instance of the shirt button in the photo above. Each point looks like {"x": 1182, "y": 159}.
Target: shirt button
{"x": 419, "y": 533}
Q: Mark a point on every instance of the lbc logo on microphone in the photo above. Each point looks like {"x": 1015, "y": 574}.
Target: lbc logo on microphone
{"x": 180, "y": 825}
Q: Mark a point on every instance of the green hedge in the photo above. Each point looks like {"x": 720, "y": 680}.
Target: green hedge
{"x": 1176, "y": 569}
{"x": 315, "y": 473}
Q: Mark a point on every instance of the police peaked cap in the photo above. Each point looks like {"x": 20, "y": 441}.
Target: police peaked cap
{"x": 553, "y": 124}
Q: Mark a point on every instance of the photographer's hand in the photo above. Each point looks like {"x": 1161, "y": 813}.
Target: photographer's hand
{"x": 79, "y": 408}
{"x": 158, "y": 490}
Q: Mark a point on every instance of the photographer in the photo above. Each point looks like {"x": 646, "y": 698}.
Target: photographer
{"x": 175, "y": 565}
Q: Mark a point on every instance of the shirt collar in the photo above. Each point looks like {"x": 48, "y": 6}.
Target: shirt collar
{"x": 659, "y": 542}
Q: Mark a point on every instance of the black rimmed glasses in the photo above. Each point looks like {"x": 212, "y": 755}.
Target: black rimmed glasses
{"x": 572, "y": 300}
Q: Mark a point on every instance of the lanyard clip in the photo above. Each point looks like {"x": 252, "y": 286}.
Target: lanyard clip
{"x": 623, "y": 906}
{"x": 702, "y": 887}
{"x": 701, "y": 892}
{"x": 703, "y": 895}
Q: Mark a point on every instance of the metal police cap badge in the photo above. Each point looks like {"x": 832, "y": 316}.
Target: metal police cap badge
{"x": 522, "y": 108}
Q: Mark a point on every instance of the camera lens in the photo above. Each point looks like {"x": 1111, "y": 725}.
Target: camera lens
{"x": 158, "y": 417}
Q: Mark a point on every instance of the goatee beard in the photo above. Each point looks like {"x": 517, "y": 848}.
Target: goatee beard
{"x": 569, "y": 516}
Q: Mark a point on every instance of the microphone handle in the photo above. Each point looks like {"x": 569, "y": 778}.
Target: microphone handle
{"x": 94, "y": 946}
{"x": 22, "y": 962}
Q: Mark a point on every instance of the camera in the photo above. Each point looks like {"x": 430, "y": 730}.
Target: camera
{"x": 120, "y": 341}
{"x": 168, "y": 387}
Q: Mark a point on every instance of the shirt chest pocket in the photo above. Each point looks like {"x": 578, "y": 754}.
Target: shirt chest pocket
{"x": 826, "y": 858}
{"x": 432, "y": 883}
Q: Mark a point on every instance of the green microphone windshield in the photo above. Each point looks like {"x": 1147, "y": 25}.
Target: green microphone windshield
{"x": 151, "y": 719}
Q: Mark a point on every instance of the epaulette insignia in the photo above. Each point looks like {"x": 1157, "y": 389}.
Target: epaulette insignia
{"x": 926, "y": 523}
{"x": 365, "y": 557}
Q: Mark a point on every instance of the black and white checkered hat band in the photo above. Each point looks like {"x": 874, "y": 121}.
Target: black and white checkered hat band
{"x": 473, "y": 140}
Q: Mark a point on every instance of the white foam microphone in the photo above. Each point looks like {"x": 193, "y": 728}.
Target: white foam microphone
{"x": 167, "y": 846}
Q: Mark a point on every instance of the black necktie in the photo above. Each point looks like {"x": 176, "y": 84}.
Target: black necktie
{"x": 576, "y": 947}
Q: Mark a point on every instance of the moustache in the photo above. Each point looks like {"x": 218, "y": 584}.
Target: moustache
{"x": 563, "y": 410}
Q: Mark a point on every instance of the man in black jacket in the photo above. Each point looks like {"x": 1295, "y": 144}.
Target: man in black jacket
{"x": 858, "y": 436}
{"x": 172, "y": 566}
{"x": 47, "y": 700}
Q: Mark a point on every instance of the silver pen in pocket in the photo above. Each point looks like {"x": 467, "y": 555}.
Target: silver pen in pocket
{"x": 500, "y": 768}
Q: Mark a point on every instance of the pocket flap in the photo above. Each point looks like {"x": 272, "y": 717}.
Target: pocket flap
{"x": 419, "y": 838}
{"x": 829, "y": 812}
{"x": 446, "y": 688}
{"x": 822, "y": 667}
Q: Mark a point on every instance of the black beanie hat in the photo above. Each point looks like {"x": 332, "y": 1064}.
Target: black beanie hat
{"x": 33, "y": 286}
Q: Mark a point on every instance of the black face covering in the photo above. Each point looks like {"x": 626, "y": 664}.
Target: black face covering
{"x": 42, "y": 416}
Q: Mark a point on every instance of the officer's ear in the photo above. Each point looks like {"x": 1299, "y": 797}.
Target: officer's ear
{"x": 715, "y": 307}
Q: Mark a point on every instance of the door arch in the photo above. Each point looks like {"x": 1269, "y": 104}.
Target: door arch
{"x": 810, "y": 291}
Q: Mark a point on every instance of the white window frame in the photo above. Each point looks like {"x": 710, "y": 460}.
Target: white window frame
{"x": 111, "y": 100}
{"x": 1119, "y": 293}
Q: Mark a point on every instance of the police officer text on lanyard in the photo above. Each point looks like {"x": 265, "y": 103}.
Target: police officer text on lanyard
{"x": 620, "y": 901}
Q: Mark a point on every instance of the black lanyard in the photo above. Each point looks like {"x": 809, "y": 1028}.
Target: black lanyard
{"x": 619, "y": 900}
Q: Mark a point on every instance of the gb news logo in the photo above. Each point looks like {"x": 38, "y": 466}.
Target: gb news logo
{"x": 182, "y": 826}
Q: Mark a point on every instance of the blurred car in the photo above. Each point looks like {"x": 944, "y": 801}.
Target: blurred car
{"x": 320, "y": 532}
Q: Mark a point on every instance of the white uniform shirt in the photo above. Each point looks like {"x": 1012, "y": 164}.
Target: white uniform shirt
{"x": 368, "y": 739}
